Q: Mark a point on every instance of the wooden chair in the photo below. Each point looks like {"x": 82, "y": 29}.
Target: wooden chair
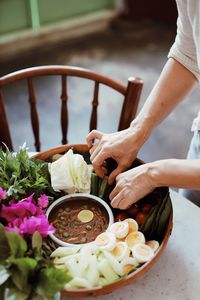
{"x": 131, "y": 94}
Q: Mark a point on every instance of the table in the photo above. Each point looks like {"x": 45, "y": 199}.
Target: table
{"x": 176, "y": 275}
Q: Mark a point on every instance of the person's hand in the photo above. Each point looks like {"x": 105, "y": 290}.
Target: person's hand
{"x": 122, "y": 146}
{"x": 132, "y": 185}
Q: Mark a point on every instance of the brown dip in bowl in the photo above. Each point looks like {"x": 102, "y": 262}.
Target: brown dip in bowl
{"x": 78, "y": 218}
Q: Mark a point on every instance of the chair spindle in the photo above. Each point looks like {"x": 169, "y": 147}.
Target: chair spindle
{"x": 64, "y": 110}
{"x": 34, "y": 113}
{"x": 131, "y": 102}
{"x": 95, "y": 103}
{"x": 5, "y": 136}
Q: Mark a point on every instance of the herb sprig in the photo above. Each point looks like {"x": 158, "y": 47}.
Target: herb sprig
{"x": 21, "y": 175}
{"x": 25, "y": 272}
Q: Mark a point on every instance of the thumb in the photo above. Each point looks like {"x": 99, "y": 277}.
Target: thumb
{"x": 114, "y": 174}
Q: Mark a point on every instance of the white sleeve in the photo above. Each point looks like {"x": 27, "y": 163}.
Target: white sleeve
{"x": 184, "y": 50}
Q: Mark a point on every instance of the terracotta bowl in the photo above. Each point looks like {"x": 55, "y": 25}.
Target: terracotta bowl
{"x": 97, "y": 291}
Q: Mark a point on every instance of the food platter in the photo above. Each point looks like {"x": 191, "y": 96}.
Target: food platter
{"x": 101, "y": 290}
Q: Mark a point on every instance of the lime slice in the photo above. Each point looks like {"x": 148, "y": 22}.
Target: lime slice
{"x": 85, "y": 215}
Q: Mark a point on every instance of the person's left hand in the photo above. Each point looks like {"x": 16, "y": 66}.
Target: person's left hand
{"x": 131, "y": 186}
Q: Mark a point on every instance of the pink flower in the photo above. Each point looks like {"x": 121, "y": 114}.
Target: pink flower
{"x": 26, "y": 217}
{"x": 18, "y": 210}
{"x": 36, "y": 223}
{"x": 2, "y": 194}
{"x": 43, "y": 201}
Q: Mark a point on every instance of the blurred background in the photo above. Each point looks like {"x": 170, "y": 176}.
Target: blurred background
{"x": 118, "y": 38}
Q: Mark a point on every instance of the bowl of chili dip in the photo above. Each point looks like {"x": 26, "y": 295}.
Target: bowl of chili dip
{"x": 78, "y": 218}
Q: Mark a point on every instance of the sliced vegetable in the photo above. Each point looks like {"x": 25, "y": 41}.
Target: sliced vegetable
{"x": 107, "y": 259}
{"x": 103, "y": 187}
{"x": 72, "y": 266}
{"x": 116, "y": 266}
{"x": 64, "y": 251}
{"x": 94, "y": 184}
{"x": 85, "y": 215}
{"x": 107, "y": 271}
{"x": 92, "y": 272}
{"x": 78, "y": 282}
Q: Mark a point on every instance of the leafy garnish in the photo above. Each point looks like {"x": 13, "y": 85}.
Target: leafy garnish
{"x": 50, "y": 281}
{"x": 25, "y": 272}
{"x": 21, "y": 175}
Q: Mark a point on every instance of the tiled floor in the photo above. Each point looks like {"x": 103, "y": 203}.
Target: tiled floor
{"x": 137, "y": 50}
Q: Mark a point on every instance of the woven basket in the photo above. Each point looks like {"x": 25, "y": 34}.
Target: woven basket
{"x": 97, "y": 291}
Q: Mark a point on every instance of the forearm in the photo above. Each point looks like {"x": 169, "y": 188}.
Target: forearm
{"x": 174, "y": 84}
{"x": 180, "y": 173}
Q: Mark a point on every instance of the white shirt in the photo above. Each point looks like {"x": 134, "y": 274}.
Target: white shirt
{"x": 186, "y": 48}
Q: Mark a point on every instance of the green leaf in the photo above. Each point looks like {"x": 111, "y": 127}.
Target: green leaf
{"x": 164, "y": 219}
{"x": 4, "y": 246}
{"x": 157, "y": 220}
{"x": 36, "y": 240}
{"x": 17, "y": 244}
{"x": 50, "y": 282}
{"x": 15, "y": 294}
{"x": 4, "y": 275}
{"x": 21, "y": 175}
{"x": 21, "y": 271}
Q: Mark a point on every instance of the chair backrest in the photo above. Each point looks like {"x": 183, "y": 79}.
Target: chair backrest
{"x": 131, "y": 94}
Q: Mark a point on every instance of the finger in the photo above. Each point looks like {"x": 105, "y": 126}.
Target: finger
{"x": 95, "y": 152}
{"x": 125, "y": 203}
{"x": 105, "y": 171}
{"x": 115, "y": 173}
{"x": 116, "y": 200}
{"x": 94, "y": 134}
{"x": 98, "y": 157}
{"x": 114, "y": 192}
{"x": 99, "y": 166}
{"x": 94, "y": 146}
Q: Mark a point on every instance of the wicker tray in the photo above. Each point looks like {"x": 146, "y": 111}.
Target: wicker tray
{"x": 97, "y": 291}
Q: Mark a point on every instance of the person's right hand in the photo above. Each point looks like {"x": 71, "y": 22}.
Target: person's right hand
{"x": 122, "y": 146}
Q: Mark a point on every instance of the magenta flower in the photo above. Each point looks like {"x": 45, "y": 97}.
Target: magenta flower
{"x": 43, "y": 201}
{"x": 36, "y": 223}
{"x": 18, "y": 210}
{"x": 2, "y": 194}
{"x": 26, "y": 217}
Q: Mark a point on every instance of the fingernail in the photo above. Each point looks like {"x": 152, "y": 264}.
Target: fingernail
{"x": 113, "y": 205}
